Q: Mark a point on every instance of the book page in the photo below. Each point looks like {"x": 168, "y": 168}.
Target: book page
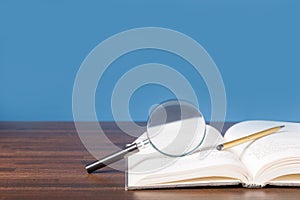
{"x": 270, "y": 156}
{"x": 149, "y": 167}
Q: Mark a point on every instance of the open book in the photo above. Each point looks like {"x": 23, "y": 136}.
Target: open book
{"x": 273, "y": 160}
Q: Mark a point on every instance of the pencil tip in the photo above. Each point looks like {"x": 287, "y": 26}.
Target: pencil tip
{"x": 220, "y": 147}
{"x": 282, "y": 126}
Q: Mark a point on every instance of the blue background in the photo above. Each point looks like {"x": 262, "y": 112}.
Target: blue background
{"x": 255, "y": 45}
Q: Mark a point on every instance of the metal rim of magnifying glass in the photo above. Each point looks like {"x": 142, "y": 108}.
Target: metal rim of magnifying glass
{"x": 193, "y": 149}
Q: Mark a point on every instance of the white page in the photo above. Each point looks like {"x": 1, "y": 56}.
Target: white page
{"x": 208, "y": 162}
{"x": 264, "y": 152}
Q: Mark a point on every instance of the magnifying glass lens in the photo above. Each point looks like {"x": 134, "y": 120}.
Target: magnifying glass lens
{"x": 176, "y": 128}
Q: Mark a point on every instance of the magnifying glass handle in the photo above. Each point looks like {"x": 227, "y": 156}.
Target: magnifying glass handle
{"x": 98, "y": 164}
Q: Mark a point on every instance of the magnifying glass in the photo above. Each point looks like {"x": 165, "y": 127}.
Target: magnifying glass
{"x": 174, "y": 128}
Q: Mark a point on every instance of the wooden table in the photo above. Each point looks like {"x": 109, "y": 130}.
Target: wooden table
{"x": 45, "y": 160}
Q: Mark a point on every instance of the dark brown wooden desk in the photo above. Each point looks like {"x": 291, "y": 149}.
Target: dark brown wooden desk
{"x": 45, "y": 160}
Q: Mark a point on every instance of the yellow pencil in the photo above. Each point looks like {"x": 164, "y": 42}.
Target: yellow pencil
{"x": 247, "y": 138}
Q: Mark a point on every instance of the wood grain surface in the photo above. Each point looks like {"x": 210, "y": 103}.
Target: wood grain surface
{"x": 45, "y": 160}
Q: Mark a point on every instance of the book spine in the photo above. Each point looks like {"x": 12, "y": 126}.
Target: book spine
{"x": 252, "y": 185}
